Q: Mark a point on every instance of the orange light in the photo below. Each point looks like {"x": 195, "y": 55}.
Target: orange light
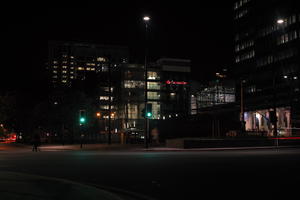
{"x": 98, "y": 114}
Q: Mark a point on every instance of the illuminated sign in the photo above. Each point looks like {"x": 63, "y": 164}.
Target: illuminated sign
{"x": 176, "y": 82}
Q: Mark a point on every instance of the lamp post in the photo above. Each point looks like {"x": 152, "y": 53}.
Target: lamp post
{"x": 242, "y": 108}
{"x": 146, "y": 20}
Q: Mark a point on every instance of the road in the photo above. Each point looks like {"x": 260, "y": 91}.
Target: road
{"x": 164, "y": 175}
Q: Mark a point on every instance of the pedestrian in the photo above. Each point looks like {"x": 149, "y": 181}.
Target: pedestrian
{"x": 36, "y": 141}
{"x": 81, "y": 140}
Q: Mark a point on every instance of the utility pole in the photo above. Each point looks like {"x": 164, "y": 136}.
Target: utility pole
{"x": 242, "y": 118}
{"x": 274, "y": 117}
{"x": 109, "y": 104}
{"x": 146, "y": 138}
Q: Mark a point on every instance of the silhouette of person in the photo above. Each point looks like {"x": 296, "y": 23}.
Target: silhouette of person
{"x": 36, "y": 142}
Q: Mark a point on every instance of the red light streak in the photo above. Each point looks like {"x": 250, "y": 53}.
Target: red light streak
{"x": 286, "y": 138}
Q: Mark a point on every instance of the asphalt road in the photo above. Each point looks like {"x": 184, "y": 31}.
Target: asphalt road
{"x": 235, "y": 174}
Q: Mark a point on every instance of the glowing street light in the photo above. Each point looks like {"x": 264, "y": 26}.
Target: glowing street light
{"x": 98, "y": 114}
{"x": 280, "y": 21}
{"x": 146, "y": 18}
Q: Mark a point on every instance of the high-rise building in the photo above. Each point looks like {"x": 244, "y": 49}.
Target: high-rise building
{"x": 267, "y": 64}
{"x": 69, "y": 61}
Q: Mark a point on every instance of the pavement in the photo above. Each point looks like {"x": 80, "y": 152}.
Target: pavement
{"x": 17, "y": 186}
{"x": 122, "y": 147}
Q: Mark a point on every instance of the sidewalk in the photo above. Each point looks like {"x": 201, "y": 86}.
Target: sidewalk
{"x": 15, "y": 186}
{"x": 124, "y": 148}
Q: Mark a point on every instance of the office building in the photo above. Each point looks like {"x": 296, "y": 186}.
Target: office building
{"x": 267, "y": 63}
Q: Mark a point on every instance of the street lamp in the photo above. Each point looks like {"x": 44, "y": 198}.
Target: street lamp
{"x": 146, "y": 20}
{"x": 280, "y": 21}
{"x": 242, "y": 107}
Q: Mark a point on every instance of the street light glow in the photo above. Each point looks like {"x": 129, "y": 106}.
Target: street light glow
{"x": 146, "y": 18}
{"x": 280, "y": 21}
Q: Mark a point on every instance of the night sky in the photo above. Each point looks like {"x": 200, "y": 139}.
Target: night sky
{"x": 202, "y": 32}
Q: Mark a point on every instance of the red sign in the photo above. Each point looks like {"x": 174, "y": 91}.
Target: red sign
{"x": 176, "y": 82}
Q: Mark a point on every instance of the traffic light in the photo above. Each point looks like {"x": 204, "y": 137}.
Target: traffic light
{"x": 149, "y": 110}
{"x": 82, "y": 117}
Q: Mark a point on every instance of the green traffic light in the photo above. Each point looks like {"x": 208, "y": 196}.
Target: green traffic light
{"x": 149, "y": 114}
{"x": 82, "y": 119}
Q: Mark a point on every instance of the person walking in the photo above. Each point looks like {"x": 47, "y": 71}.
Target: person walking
{"x": 36, "y": 141}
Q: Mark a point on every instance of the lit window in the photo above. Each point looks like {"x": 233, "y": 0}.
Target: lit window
{"x": 64, "y": 67}
{"x": 104, "y": 98}
{"x": 64, "y": 71}
{"x": 153, "y": 95}
{"x": 101, "y": 59}
{"x": 133, "y": 84}
{"x": 153, "y": 85}
{"x": 80, "y": 68}
{"x": 153, "y": 76}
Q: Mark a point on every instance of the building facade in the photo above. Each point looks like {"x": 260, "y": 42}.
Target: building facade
{"x": 267, "y": 63}
{"x": 119, "y": 86}
{"x": 69, "y": 61}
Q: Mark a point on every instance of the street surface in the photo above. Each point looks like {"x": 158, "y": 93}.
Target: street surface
{"x": 235, "y": 174}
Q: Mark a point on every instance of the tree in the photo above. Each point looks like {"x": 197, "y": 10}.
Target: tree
{"x": 8, "y": 110}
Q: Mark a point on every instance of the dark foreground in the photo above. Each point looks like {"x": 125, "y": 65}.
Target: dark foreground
{"x": 234, "y": 174}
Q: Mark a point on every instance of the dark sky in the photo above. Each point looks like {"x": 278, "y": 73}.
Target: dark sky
{"x": 197, "y": 30}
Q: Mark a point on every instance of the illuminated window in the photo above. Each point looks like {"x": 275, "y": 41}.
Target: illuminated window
{"x": 153, "y": 76}
{"x": 64, "y": 71}
{"x": 72, "y": 77}
{"x": 54, "y": 66}
{"x": 54, "y": 72}
{"x": 106, "y": 98}
{"x": 153, "y": 85}
{"x": 106, "y": 107}
{"x": 88, "y": 68}
{"x": 101, "y": 59}
{"x": 133, "y": 84}
{"x": 54, "y": 76}
{"x": 106, "y": 89}
{"x": 80, "y": 68}
{"x": 64, "y": 67}
{"x": 153, "y": 95}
